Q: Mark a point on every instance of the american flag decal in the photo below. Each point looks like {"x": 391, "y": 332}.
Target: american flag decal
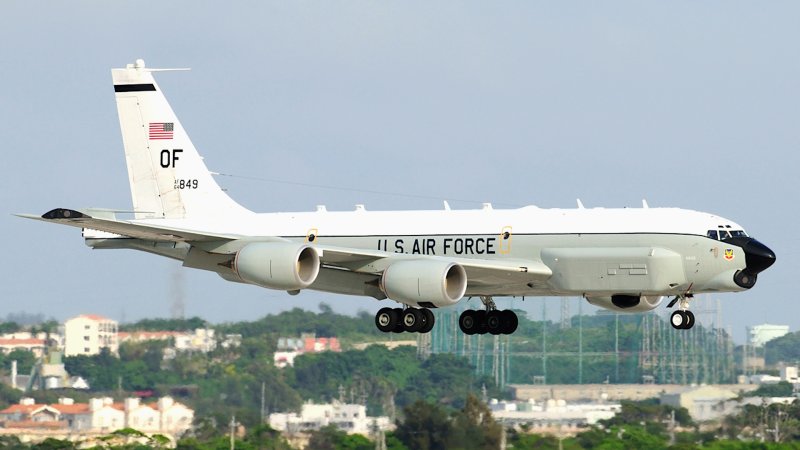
{"x": 161, "y": 130}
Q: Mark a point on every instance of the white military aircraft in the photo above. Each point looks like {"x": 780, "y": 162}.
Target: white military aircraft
{"x": 624, "y": 260}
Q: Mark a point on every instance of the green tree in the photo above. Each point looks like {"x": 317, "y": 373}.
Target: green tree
{"x": 426, "y": 426}
{"x": 190, "y": 324}
{"x": 24, "y": 358}
{"x": 9, "y": 327}
{"x": 332, "y": 438}
{"x": 780, "y": 389}
{"x": 53, "y": 444}
{"x": 474, "y": 427}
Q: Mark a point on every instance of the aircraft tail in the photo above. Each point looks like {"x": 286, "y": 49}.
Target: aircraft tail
{"x": 168, "y": 178}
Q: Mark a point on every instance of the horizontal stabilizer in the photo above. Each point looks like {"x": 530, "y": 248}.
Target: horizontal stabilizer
{"x": 136, "y": 230}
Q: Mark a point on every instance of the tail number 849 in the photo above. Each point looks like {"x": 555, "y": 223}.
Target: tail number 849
{"x": 186, "y": 184}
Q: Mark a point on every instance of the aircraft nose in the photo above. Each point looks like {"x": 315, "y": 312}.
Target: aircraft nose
{"x": 758, "y": 256}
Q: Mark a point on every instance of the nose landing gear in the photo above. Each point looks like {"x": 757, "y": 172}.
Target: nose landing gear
{"x": 682, "y": 319}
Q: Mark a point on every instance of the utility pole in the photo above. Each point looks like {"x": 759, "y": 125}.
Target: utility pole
{"x": 616, "y": 347}
{"x": 580, "y": 342}
{"x": 233, "y": 424}
{"x": 263, "y": 412}
{"x": 544, "y": 340}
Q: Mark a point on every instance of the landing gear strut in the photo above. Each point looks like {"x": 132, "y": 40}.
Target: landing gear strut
{"x": 682, "y": 319}
{"x": 491, "y": 320}
{"x": 398, "y": 320}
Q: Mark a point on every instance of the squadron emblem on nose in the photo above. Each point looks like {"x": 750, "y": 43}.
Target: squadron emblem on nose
{"x": 729, "y": 254}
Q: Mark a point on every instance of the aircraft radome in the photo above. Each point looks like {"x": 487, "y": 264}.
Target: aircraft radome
{"x": 624, "y": 260}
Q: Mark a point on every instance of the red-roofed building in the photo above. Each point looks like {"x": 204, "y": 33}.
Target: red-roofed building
{"x": 35, "y": 346}
{"x": 99, "y": 415}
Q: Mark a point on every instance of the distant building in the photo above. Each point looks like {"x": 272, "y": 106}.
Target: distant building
{"x": 201, "y": 340}
{"x": 761, "y": 334}
{"x": 289, "y": 348}
{"x": 790, "y": 374}
{"x": 33, "y": 345}
{"x": 87, "y": 334}
{"x": 703, "y": 402}
{"x": 346, "y": 417}
{"x": 145, "y": 336}
{"x": 552, "y": 414}
{"x": 99, "y": 415}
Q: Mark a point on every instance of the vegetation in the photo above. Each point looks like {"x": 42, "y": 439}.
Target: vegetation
{"x": 784, "y": 349}
{"x": 433, "y": 399}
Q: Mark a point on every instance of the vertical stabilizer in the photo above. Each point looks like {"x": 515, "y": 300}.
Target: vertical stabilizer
{"x": 167, "y": 176}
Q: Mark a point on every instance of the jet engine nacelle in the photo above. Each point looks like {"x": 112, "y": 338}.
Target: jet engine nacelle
{"x": 627, "y": 303}
{"x": 277, "y": 265}
{"x": 424, "y": 283}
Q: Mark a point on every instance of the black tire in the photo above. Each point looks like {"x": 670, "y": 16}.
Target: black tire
{"x": 468, "y": 323}
{"x": 677, "y": 320}
{"x": 398, "y": 326}
{"x": 430, "y": 320}
{"x": 386, "y": 319}
{"x": 510, "y": 321}
{"x": 480, "y": 318}
{"x": 689, "y": 320}
{"x": 494, "y": 322}
{"x": 413, "y": 320}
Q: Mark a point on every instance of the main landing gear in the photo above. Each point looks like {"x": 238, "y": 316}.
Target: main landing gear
{"x": 491, "y": 320}
{"x": 682, "y": 319}
{"x": 398, "y": 320}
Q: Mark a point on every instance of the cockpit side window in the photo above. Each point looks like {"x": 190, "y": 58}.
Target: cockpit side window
{"x": 722, "y": 234}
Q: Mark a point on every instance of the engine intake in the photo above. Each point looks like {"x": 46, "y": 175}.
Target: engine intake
{"x": 277, "y": 265}
{"x": 424, "y": 283}
{"x": 627, "y": 303}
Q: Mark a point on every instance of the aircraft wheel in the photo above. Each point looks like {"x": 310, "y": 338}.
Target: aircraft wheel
{"x": 510, "y": 321}
{"x": 468, "y": 322}
{"x": 480, "y": 319}
{"x": 494, "y": 322}
{"x": 386, "y": 319}
{"x": 689, "y": 320}
{"x": 678, "y": 319}
{"x": 430, "y": 320}
{"x": 399, "y": 327}
{"x": 413, "y": 320}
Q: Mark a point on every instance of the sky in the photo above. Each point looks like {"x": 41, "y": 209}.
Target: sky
{"x": 398, "y": 105}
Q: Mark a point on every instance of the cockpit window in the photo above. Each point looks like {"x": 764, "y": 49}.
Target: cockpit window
{"x": 724, "y": 233}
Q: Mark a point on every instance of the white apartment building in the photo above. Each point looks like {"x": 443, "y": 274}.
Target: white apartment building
{"x": 88, "y": 333}
{"x": 347, "y": 417}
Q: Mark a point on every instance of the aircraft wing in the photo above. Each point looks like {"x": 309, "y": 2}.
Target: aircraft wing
{"x": 125, "y": 228}
{"x": 480, "y": 272}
